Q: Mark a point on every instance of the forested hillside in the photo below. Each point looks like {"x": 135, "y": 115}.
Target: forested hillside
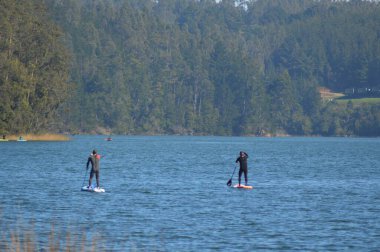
{"x": 199, "y": 67}
{"x": 33, "y": 68}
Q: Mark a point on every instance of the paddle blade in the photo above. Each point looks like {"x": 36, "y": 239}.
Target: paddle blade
{"x": 229, "y": 182}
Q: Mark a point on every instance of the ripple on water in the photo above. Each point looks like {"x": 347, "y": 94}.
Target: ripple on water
{"x": 170, "y": 193}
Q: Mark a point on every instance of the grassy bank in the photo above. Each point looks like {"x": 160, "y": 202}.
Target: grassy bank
{"x": 358, "y": 101}
{"x": 39, "y": 137}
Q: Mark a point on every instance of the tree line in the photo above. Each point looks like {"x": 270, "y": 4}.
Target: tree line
{"x": 34, "y": 68}
{"x": 189, "y": 67}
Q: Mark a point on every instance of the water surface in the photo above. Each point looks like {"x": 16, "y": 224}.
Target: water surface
{"x": 169, "y": 193}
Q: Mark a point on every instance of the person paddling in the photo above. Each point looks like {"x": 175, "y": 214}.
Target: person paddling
{"x": 94, "y": 159}
{"x": 242, "y": 159}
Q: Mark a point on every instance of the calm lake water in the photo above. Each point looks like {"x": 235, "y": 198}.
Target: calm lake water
{"x": 170, "y": 194}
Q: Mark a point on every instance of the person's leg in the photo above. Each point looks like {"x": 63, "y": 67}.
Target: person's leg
{"x": 246, "y": 176}
{"x": 97, "y": 178}
{"x": 91, "y": 175}
{"x": 240, "y": 172}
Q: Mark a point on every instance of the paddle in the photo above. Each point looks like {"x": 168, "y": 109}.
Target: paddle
{"x": 85, "y": 175}
{"x": 230, "y": 181}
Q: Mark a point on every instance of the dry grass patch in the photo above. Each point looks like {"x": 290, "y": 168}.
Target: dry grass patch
{"x": 40, "y": 137}
{"x": 328, "y": 95}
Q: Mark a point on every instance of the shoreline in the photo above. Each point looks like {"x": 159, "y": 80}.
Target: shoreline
{"x": 67, "y": 137}
{"x": 38, "y": 137}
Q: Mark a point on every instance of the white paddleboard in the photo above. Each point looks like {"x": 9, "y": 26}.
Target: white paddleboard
{"x": 93, "y": 189}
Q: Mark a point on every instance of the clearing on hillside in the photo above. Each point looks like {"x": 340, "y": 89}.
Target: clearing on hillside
{"x": 328, "y": 95}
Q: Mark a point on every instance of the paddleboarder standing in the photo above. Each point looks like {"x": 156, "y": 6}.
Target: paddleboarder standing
{"x": 94, "y": 159}
{"x": 242, "y": 159}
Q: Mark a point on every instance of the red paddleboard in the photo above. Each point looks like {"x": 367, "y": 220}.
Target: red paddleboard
{"x": 243, "y": 186}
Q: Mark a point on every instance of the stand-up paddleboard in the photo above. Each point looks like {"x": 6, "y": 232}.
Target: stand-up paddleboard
{"x": 243, "y": 186}
{"x": 93, "y": 189}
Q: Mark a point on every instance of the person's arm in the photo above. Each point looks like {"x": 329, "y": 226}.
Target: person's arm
{"x": 237, "y": 160}
{"x": 245, "y": 153}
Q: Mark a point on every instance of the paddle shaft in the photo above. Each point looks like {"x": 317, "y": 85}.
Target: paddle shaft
{"x": 233, "y": 171}
{"x": 85, "y": 175}
{"x": 230, "y": 181}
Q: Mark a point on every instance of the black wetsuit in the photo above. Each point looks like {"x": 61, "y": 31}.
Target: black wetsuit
{"x": 94, "y": 160}
{"x": 243, "y": 167}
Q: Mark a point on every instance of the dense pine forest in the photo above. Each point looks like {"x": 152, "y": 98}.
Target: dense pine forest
{"x": 188, "y": 67}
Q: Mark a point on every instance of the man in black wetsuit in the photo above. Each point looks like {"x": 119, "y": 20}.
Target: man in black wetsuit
{"x": 242, "y": 159}
{"x": 94, "y": 159}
